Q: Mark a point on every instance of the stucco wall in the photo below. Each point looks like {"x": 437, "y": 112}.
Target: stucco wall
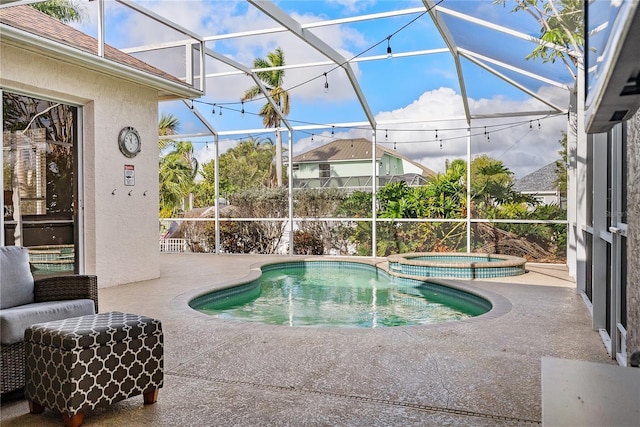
{"x": 633, "y": 236}
{"x": 121, "y": 230}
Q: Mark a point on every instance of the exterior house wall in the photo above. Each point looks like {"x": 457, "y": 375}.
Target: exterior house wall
{"x": 120, "y": 230}
{"x": 391, "y": 165}
{"x": 633, "y": 237}
{"x": 357, "y": 168}
{"x": 340, "y": 169}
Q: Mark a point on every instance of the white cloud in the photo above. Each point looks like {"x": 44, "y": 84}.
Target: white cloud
{"x": 517, "y": 141}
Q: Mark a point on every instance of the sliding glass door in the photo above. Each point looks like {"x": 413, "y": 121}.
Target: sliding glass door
{"x": 40, "y": 187}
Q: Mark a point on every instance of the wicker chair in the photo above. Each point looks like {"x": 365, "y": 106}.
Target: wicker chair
{"x": 49, "y": 292}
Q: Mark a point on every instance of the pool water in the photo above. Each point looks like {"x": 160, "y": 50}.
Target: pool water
{"x": 339, "y": 294}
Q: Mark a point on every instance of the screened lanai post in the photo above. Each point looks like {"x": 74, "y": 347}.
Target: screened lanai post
{"x": 374, "y": 190}
{"x": 101, "y": 28}
{"x": 290, "y": 192}
{"x": 216, "y": 187}
{"x": 469, "y": 187}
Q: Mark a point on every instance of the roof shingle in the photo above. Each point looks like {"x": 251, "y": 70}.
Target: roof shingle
{"x": 30, "y": 20}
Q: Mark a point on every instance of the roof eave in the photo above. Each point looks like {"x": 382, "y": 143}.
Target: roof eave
{"x": 167, "y": 90}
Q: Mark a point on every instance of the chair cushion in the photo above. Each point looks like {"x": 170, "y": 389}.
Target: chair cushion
{"x": 14, "y": 321}
{"x": 16, "y": 281}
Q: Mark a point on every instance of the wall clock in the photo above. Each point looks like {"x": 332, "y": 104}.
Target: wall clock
{"x": 129, "y": 141}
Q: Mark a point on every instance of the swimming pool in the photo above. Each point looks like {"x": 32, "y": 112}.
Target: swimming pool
{"x": 423, "y": 265}
{"x": 339, "y": 294}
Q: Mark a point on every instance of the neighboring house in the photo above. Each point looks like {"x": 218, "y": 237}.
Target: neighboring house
{"x": 541, "y": 185}
{"x": 90, "y": 195}
{"x": 346, "y": 163}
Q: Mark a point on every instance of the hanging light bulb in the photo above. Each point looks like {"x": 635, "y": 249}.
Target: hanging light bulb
{"x": 242, "y": 111}
{"x": 311, "y": 137}
{"x": 213, "y": 109}
{"x": 386, "y": 134}
{"x": 441, "y": 144}
{"x": 389, "y": 52}
{"x": 332, "y": 130}
{"x": 539, "y": 124}
{"x": 436, "y": 133}
{"x": 394, "y": 145}
{"x": 220, "y": 110}
{"x": 530, "y": 125}
{"x": 326, "y": 83}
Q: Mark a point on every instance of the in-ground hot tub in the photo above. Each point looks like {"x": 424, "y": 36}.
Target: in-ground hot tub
{"x": 453, "y": 264}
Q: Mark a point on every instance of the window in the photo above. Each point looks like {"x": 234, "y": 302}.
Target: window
{"x": 325, "y": 170}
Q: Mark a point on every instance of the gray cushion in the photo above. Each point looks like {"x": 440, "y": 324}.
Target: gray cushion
{"x": 16, "y": 281}
{"x": 13, "y": 321}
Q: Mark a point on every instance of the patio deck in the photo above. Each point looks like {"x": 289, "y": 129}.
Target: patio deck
{"x": 485, "y": 372}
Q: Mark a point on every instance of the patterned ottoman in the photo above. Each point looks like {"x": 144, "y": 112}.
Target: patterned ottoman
{"x": 78, "y": 364}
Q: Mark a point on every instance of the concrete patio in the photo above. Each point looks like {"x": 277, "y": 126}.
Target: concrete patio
{"x": 483, "y": 372}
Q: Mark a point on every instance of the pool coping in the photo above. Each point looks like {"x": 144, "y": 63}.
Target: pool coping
{"x": 507, "y": 260}
{"x": 500, "y": 304}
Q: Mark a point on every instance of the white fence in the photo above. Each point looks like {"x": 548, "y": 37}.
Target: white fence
{"x": 183, "y": 245}
{"x": 173, "y": 245}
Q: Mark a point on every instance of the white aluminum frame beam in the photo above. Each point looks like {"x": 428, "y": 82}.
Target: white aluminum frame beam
{"x": 199, "y": 40}
{"x": 453, "y": 48}
{"x": 505, "y": 30}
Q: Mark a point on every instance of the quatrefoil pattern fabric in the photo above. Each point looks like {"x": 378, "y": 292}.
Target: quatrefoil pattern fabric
{"x": 77, "y": 364}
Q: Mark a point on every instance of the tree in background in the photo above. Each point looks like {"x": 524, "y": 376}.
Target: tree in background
{"x": 177, "y": 169}
{"x": 168, "y": 125}
{"x": 246, "y": 166}
{"x": 561, "y": 167}
{"x": 561, "y": 23}
{"x": 65, "y": 11}
{"x": 274, "y": 81}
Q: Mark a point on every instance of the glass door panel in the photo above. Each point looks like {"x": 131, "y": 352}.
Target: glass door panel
{"x": 39, "y": 181}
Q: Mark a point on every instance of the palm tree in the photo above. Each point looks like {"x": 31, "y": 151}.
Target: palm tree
{"x": 168, "y": 125}
{"x": 63, "y": 10}
{"x": 178, "y": 168}
{"x": 273, "y": 80}
{"x": 177, "y": 173}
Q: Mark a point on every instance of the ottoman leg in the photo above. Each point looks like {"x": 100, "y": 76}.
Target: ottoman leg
{"x": 151, "y": 397}
{"x": 74, "y": 420}
{"x": 35, "y": 408}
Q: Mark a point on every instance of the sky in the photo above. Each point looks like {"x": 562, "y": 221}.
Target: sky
{"x": 421, "y": 91}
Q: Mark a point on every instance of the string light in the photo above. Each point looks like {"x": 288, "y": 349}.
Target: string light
{"x": 213, "y": 109}
{"x": 389, "y": 52}
{"x": 441, "y": 143}
{"x": 242, "y": 111}
{"x": 386, "y": 134}
{"x": 311, "y": 137}
{"x": 485, "y": 131}
{"x": 326, "y": 83}
{"x": 394, "y": 145}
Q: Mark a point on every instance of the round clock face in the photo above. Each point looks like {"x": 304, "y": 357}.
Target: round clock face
{"x": 129, "y": 142}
